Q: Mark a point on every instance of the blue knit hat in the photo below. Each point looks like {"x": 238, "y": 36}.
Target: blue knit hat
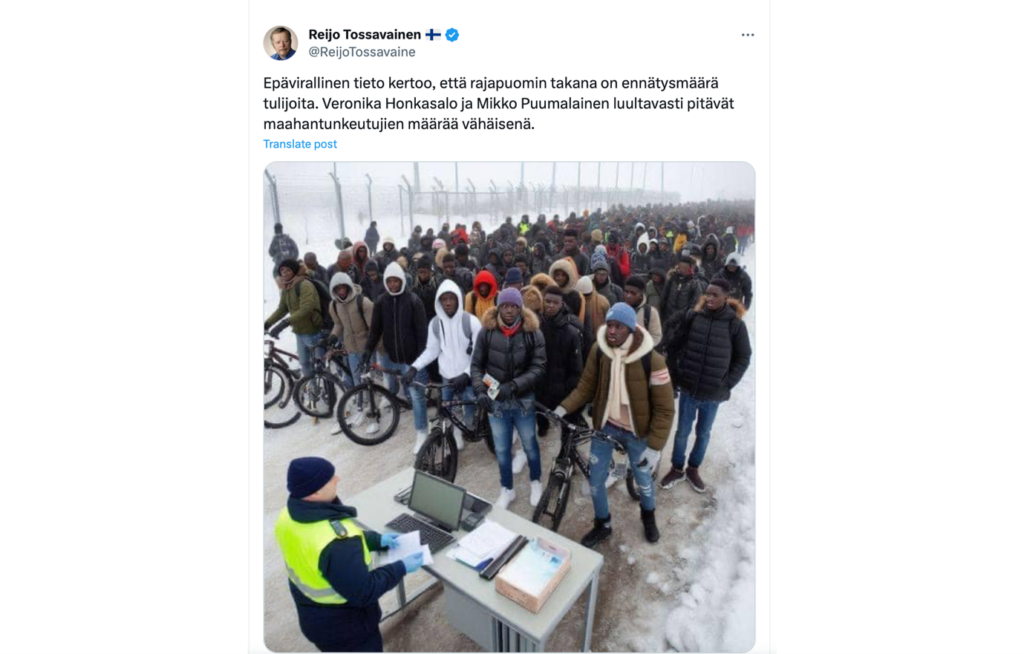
{"x": 308, "y": 474}
{"x": 510, "y": 296}
{"x": 622, "y": 312}
{"x": 513, "y": 276}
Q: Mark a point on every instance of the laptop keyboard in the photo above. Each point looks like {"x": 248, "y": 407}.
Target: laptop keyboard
{"x": 430, "y": 536}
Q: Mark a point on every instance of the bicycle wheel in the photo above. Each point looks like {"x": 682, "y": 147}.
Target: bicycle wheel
{"x": 557, "y": 490}
{"x": 439, "y": 456}
{"x": 368, "y": 414}
{"x": 277, "y": 383}
{"x": 315, "y": 394}
{"x": 484, "y": 430}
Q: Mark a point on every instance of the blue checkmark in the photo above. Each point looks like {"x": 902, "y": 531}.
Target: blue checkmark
{"x": 452, "y": 34}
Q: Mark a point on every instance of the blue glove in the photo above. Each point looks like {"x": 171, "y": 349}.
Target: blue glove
{"x": 388, "y": 540}
{"x": 413, "y": 562}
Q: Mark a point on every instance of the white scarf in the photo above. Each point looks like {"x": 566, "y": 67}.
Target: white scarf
{"x": 618, "y": 395}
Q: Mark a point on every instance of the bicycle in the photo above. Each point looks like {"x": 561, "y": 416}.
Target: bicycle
{"x": 439, "y": 455}
{"x": 568, "y": 460}
{"x": 277, "y": 388}
{"x": 368, "y": 412}
{"x": 315, "y": 393}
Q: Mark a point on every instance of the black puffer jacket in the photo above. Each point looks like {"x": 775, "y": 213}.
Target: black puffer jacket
{"x": 521, "y": 359}
{"x": 742, "y": 286}
{"x": 402, "y": 322}
{"x": 710, "y": 352}
{"x": 563, "y": 336}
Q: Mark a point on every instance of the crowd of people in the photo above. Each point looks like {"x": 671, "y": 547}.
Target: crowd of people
{"x": 630, "y": 316}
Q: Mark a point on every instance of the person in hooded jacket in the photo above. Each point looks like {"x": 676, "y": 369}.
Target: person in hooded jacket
{"x": 602, "y": 280}
{"x": 400, "y": 322}
{"x": 616, "y": 252}
{"x": 301, "y": 303}
{"x": 740, "y": 284}
{"x": 372, "y": 237}
{"x": 424, "y": 285}
{"x": 708, "y": 355}
{"x": 282, "y": 247}
{"x": 640, "y": 262}
{"x": 463, "y": 260}
{"x": 414, "y": 240}
{"x": 711, "y": 259}
{"x": 388, "y": 252}
{"x": 563, "y": 337}
{"x": 327, "y": 555}
{"x": 646, "y": 315}
{"x": 655, "y": 289}
{"x": 481, "y": 299}
{"x": 511, "y": 350}
{"x": 540, "y": 262}
{"x": 372, "y": 282}
{"x": 571, "y": 250}
{"x": 350, "y": 312}
{"x": 565, "y": 274}
{"x": 682, "y": 291}
{"x": 452, "y": 348}
{"x": 461, "y": 276}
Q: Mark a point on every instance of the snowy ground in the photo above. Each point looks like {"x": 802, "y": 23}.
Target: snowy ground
{"x": 693, "y": 591}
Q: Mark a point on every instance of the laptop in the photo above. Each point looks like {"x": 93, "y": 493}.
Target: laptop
{"x": 437, "y": 505}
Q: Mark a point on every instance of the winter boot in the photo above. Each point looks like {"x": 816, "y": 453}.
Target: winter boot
{"x": 696, "y": 483}
{"x": 672, "y": 477}
{"x": 421, "y": 438}
{"x": 602, "y": 529}
{"x": 650, "y": 526}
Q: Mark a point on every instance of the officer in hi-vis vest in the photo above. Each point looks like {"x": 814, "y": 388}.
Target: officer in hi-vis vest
{"x": 327, "y": 557}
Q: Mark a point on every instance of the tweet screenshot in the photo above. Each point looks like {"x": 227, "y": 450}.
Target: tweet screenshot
{"x": 513, "y": 275}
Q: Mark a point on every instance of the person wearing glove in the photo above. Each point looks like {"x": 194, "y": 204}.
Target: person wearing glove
{"x": 301, "y": 304}
{"x": 327, "y": 562}
{"x": 451, "y": 335}
{"x": 511, "y": 350}
{"x": 629, "y": 384}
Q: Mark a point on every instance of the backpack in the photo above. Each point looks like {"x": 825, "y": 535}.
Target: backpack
{"x": 359, "y": 309}
{"x": 467, "y": 329}
{"x": 647, "y": 322}
{"x": 325, "y": 301}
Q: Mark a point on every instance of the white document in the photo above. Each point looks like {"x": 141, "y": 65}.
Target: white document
{"x": 489, "y": 539}
{"x": 407, "y": 544}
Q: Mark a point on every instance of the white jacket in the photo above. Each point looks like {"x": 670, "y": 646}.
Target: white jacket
{"x": 452, "y": 350}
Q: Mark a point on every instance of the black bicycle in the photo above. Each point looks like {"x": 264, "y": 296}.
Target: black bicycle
{"x": 568, "y": 460}
{"x": 316, "y": 394}
{"x": 439, "y": 455}
{"x": 368, "y": 412}
{"x": 278, "y": 381}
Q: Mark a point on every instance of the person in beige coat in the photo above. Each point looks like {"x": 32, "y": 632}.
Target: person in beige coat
{"x": 351, "y": 312}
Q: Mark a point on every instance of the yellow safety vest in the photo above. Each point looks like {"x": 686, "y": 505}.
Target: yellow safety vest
{"x": 301, "y": 544}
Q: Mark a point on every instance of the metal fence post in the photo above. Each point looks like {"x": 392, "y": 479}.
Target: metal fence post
{"x": 273, "y": 196}
{"x": 369, "y": 194}
{"x": 341, "y": 206}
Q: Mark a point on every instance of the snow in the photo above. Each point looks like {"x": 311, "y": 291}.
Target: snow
{"x": 692, "y": 591}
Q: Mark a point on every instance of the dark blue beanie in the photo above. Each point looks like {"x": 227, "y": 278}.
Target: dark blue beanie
{"x": 308, "y": 475}
{"x": 513, "y": 276}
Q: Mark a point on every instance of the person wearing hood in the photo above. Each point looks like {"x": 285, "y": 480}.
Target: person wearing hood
{"x": 414, "y": 240}
{"x": 682, "y": 291}
{"x": 595, "y": 307}
{"x": 360, "y": 256}
{"x": 372, "y": 283}
{"x": 709, "y": 354}
{"x": 612, "y": 265}
{"x": 426, "y": 245}
{"x": 563, "y": 337}
{"x": 533, "y": 293}
{"x": 524, "y": 224}
{"x": 331, "y": 576}
{"x": 372, "y": 237}
{"x": 640, "y": 262}
{"x": 481, "y": 299}
{"x": 541, "y": 262}
{"x": 617, "y": 253}
{"x": 388, "y": 252}
{"x": 424, "y": 285}
{"x": 451, "y": 335}
{"x": 450, "y": 270}
{"x": 508, "y": 260}
{"x": 301, "y": 303}
{"x": 350, "y": 311}
{"x": 522, "y": 262}
{"x": 400, "y": 321}
{"x": 566, "y": 275}
{"x": 711, "y": 259}
{"x": 646, "y": 315}
{"x": 680, "y": 241}
{"x": 511, "y": 352}
{"x": 445, "y": 233}
{"x": 740, "y": 285}
{"x": 602, "y": 281}
{"x": 629, "y": 384}
{"x": 463, "y": 260}
{"x": 655, "y": 289}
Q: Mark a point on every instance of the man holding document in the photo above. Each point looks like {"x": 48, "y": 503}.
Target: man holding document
{"x": 327, "y": 557}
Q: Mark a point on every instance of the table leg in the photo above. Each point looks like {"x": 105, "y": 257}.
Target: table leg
{"x": 591, "y": 607}
{"x": 401, "y": 593}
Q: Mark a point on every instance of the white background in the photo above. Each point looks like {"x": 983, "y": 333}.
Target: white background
{"x": 894, "y": 445}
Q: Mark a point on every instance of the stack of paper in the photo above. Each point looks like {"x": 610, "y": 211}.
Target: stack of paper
{"x": 407, "y": 544}
{"x": 482, "y": 544}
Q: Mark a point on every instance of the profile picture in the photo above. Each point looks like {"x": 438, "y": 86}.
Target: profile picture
{"x": 279, "y": 42}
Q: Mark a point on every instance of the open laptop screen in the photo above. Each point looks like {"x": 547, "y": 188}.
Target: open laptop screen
{"x": 437, "y": 499}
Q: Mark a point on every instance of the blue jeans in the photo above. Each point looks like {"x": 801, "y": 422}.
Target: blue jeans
{"x": 448, "y": 394}
{"x": 416, "y": 395}
{"x": 506, "y": 415}
{"x": 704, "y": 412}
{"x": 600, "y": 462}
{"x": 303, "y": 341}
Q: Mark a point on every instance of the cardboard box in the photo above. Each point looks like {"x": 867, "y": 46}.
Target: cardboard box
{"x": 533, "y": 598}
